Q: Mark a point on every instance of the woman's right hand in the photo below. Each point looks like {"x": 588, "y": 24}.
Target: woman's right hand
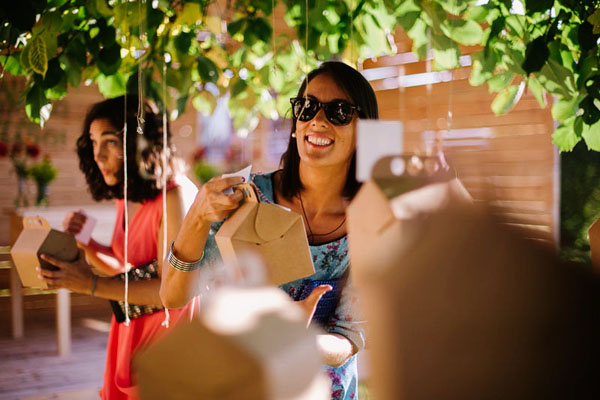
{"x": 73, "y": 222}
{"x": 211, "y": 204}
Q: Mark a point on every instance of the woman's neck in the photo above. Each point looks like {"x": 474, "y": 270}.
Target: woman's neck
{"x": 323, "y": 188}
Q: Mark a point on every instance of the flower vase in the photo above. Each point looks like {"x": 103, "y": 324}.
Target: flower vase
{"x": 41, "y": 198}
{"x": 21, "y": 199}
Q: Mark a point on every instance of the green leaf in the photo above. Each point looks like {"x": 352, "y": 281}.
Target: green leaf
{"x": 180, "y": 107}
{"x": 204, "y": 102}
{"x": 53, "y": 75}
{"x": 532, "y": 6}
{"x": 537, "y": 90}
{"x": 565, "y": 137}
{"x": 591, "y": 113}
{"x": 12, "y": 65}
{"x": 109, "y": 59}
{"x": 477, "y": 13}
{"x": 37, "y": 106}
{"x": 445, "y": 53}
{"x": 207, "y": 69}
{"x": 237, "y": 86}
{"x": 38, "y": 58}
{"x": 556, "y": 79}
{"x": 24, "y": 58}
{"x": 258, "y": 29}
{"x": 500, "y": 81}
{"x": 507, "y": 98}
{"x": 482, "y": 67}
{"x": 183, "y": 42}
{"x": 594, "y": 19}
{"x": 585, "y": 34}
{"x": 564, "y": 109}
{"x": 407, "y": 14}
{"x": 52, "y": 21}
{"x": 190, "y": 15}
{"x": 103, "y": 8}
{"x": 536, "y": 55}
{"x": 113, "y": 85}
{"x": 419, "y": 36}
{"x": 236, "y": 26}
{"x": 455, "y": 7}
{"x": 465, "y": 32}
{"x": 591, "y": 135}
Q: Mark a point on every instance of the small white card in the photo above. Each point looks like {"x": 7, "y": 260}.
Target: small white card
{"x": 85, "y": 234}
{"x": 376, "y": 139}
{"x": 244, "y": 173}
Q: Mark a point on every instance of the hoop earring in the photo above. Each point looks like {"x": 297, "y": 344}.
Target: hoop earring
{"x": 294, "y": 135}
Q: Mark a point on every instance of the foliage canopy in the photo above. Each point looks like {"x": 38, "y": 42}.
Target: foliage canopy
{"x": 204, "y": 49}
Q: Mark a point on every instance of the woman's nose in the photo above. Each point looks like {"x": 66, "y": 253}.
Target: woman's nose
{"x": 320, "y": 116}
{"x": 99, "y": 153}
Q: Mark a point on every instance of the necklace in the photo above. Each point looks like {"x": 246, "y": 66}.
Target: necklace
{"x": 310, "y": 232}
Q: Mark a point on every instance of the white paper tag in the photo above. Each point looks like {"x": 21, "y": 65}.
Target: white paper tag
{"x": 85, "y": 234}
{"x": 375, "y": 139}
{"x": 244, "y": 173}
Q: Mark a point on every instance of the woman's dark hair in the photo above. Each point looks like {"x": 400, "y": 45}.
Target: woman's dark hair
{"x": 360, "y": 91}
{"x": 144, "y": 166}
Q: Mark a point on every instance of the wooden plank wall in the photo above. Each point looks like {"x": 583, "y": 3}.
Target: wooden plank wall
{"x": 57, "y": 139}
{"x": 508, "y": 160}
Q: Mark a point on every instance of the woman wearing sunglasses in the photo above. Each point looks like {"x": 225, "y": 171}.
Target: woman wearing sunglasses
{"x": 317, "y": 180}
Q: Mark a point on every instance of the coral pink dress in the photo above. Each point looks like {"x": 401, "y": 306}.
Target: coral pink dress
{"x": 123, "y": 340}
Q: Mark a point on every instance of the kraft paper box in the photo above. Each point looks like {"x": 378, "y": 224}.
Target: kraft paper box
{"x": 37, "y": 237}
{"x": 274, "y": 232}
{"x": 247, "y": 343}
{"x": 472, "y": 310}
{"x": 376, "y": 216}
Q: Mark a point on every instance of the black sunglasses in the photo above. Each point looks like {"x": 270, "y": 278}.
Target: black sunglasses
{"x": 338, "y": 112}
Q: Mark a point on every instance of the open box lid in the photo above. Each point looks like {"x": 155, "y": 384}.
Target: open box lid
{"x": 36, "y": 238}
{"x": 270, "y": 221}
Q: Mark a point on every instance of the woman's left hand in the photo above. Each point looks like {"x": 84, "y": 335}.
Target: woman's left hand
{"x": 309, "y": 304}
{"x": 76, "y": 276}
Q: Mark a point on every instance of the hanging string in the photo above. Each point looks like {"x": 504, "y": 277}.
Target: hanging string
{"x": 306, "y": 67}
{"x": 352, "y": 32}
{"x": 165, "y": 323}
{"x": 273, "y": 35}
{"x": 126, "y": 216}
{"x": 142, "y": 37}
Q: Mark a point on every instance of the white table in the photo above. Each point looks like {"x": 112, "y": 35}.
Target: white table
{"x": 105, "y": 216}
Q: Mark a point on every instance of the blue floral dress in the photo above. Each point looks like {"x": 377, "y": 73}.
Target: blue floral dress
{"x": 330, "y": 261}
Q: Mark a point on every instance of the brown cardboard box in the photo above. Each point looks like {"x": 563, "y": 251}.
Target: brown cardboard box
{"x": 274, "y": 232}
{"x": 247, "y": 343}
{"x": 472, "y": 310}
{"x": 376, "y": 215}
{"x": 37, "y": 237}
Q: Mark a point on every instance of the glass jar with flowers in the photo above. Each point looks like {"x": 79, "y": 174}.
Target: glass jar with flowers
{"x": 42, "y": 173}
{"x": 19, "y": 152}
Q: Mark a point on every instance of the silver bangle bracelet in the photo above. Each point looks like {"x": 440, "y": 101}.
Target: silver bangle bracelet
{"x": 183, "y": 265}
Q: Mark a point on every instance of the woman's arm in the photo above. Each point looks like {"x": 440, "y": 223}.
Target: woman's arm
{"x": 78, "y": 277}
{"x": 335, "y": 349}
{"x": 101, "y": 257}
{"x": 210, "y": 205}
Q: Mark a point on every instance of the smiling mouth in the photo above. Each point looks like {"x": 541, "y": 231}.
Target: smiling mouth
{"x": 319, "y": 141}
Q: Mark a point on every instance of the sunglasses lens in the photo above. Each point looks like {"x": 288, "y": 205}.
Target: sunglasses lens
{"x": 304, "y": 109}
{"x": 339, "y": 113}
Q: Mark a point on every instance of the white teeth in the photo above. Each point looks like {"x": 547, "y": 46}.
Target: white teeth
{"x": 319, "y": 141}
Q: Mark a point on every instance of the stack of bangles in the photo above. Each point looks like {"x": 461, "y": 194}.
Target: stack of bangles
{"x": 183, "y": 265}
